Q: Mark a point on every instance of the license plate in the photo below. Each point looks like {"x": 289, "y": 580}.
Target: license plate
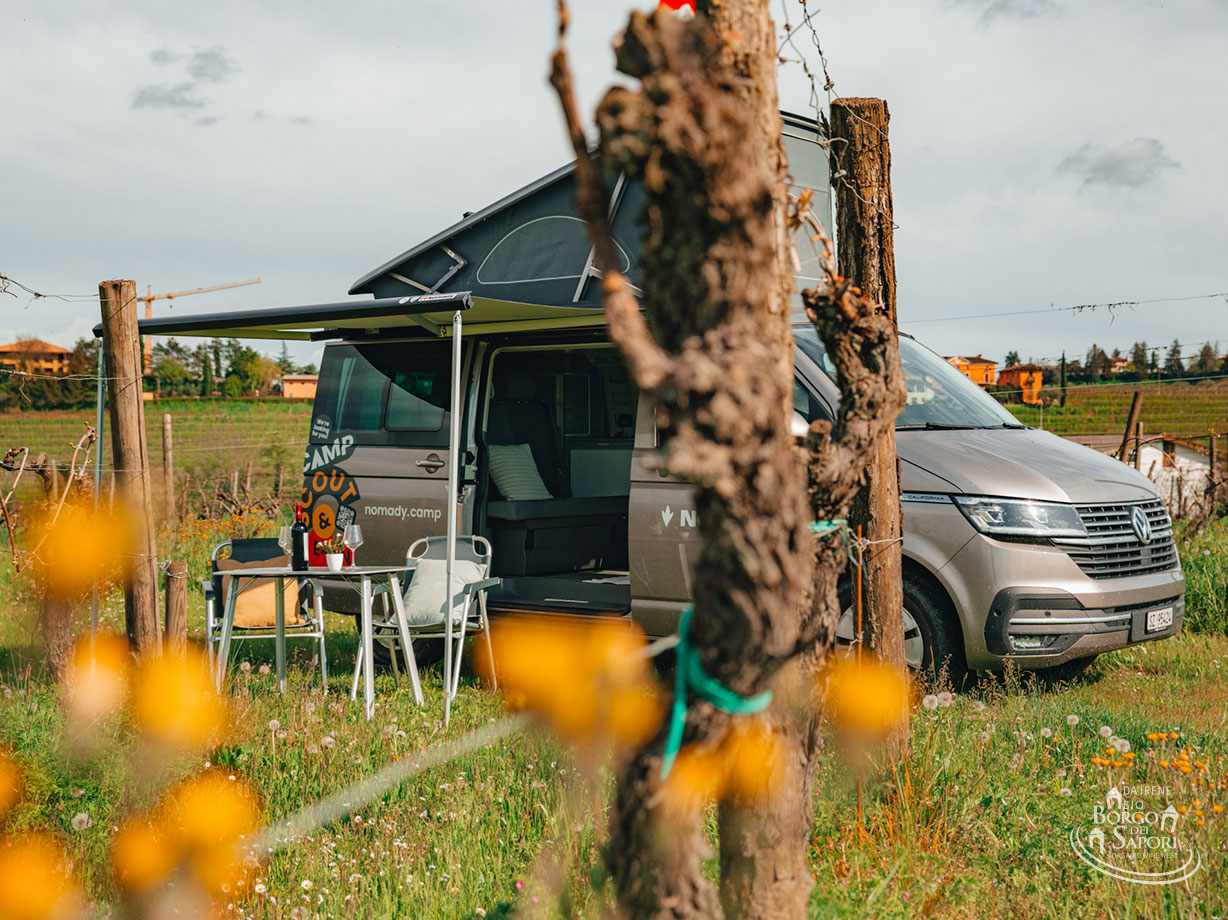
{"x": 1159, "y": 619}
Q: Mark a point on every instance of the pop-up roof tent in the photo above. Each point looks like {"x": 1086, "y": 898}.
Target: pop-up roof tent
{"x": 524, "y": 261}
{"x": 532, "y": 248}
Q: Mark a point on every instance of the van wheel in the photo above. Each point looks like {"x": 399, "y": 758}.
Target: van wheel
{"x": 931, "y": 644}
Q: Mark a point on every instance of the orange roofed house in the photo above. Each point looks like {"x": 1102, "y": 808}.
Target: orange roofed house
{"x": 299, "y": 386}
{"x": 977, "y": 369}
{"x": 34, "y": 356}
{"x": 1026, "y": 378}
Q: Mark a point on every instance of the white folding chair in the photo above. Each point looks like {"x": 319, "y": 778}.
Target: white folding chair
{"x": 425, "y": 601}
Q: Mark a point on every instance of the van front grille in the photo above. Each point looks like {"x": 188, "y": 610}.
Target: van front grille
{"x": 1113, "y": 550}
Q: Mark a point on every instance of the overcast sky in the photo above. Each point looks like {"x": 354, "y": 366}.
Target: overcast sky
{"x": 1046, "y": 152}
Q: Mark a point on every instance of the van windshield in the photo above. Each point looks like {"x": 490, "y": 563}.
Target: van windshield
{"x": 939, "y": 396}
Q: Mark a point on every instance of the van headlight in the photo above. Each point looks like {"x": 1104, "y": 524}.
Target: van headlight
{"x": 1020, "y": 517}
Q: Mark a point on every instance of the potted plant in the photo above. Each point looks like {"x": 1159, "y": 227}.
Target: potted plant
{"x": 334, "y": 552}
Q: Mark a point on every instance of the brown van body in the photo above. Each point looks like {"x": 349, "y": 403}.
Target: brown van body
{"x": 618, "y": 538}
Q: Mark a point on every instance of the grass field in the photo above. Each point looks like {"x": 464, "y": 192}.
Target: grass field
{"x": 972, "y": 824}
{"x": 1184, "y": 410}
{"x": 212, "y": 438}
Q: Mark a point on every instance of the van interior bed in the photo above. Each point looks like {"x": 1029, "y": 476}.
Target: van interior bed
{"x": 556, "y": 479}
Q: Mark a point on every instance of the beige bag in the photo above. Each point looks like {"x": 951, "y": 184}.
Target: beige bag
{"x": 256, "y": 605}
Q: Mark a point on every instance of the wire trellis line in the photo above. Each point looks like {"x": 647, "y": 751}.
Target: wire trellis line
{"x": 1111, "y": 306}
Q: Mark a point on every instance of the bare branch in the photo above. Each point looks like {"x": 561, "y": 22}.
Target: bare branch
{"x": 650, "y": 365}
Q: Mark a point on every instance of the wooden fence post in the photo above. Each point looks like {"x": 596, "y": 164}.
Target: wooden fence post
{"x": 861, "y": 174}
{"x": 122, "y": 348}
{"x": 1138, "y": 445}
{"x": 1131, "y": 420}
{"x": 168, "y": 469}
{"x": 176, "y": 607}
{"x": 1212, "y": 472}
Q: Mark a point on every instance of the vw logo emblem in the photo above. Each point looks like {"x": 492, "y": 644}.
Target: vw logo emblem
{"x": 1142, "y": 526}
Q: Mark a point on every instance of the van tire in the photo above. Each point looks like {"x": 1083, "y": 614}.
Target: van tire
{"x": 942, "y": 641}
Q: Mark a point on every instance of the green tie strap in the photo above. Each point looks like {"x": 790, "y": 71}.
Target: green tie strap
{"x": 823, "y": 528}
{"x": 689, "y": 674}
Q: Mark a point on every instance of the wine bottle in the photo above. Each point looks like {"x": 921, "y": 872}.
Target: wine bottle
{"x": 298, "y": 541}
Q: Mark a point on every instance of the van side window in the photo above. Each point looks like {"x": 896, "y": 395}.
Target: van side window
{"x": 388, "y": 393}
{"x": 412, "y": 401}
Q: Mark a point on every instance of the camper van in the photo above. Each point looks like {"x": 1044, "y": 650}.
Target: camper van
{"x": 476, "y": 392}
{"x": 1017, "y": 543}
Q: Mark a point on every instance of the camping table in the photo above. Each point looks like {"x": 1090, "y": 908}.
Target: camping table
{"x": 358, "y": 577}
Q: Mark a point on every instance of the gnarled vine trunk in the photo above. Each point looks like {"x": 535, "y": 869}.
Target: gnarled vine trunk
{"x": 712, "y": 351}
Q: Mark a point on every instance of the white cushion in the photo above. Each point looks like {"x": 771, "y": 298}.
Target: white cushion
{"x": 425, "y": 599}
{"x": 515, "y": 473}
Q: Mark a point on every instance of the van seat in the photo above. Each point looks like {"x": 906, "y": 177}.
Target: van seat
{"x": 557, "y": 535}
{"x": 517, "y": 416}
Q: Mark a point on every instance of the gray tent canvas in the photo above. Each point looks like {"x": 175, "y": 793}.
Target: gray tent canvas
{"x": 532, "y": 248}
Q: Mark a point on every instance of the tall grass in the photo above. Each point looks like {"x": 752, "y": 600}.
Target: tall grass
{"x": 1205, "y": 560}
{"x": 972, "y": 824}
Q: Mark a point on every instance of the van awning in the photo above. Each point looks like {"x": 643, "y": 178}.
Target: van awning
{"x": 423, "y": 314}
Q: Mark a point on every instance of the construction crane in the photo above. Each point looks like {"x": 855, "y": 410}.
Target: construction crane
{"x": 150, "y": 297}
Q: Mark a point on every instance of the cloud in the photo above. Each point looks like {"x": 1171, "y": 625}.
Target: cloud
{"x": 164, "y": 56}
{"x": 1011, "y": 9}
{"x": 300, "y": 119}
{"x": 206, "y": 120}
{"x": 181, "y": 96}
{"x": 211, "y": 65}
{"x": 1129, "y": 165}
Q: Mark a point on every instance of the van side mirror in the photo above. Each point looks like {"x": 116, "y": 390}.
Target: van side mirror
{"x": 798, "y": 426}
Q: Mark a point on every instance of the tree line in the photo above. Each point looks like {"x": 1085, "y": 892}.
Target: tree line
{"x": 1145, "y": 362}
{"x": 218, "y": 367}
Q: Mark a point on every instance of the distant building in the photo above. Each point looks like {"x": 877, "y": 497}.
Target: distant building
{"x": 1118, "y": 365}
{"x": 299, "y": 386}
{"x": 1027, "y": 378}
{"x": 977, "y": 369}
{"x": 34, "y": 356}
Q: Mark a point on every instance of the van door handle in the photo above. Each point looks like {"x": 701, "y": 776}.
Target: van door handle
{"x": 430, "y": 463}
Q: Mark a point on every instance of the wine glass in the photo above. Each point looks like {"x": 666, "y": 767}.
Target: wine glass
{"x": 353, "y": 538}
{"x": 285, "y": 540}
